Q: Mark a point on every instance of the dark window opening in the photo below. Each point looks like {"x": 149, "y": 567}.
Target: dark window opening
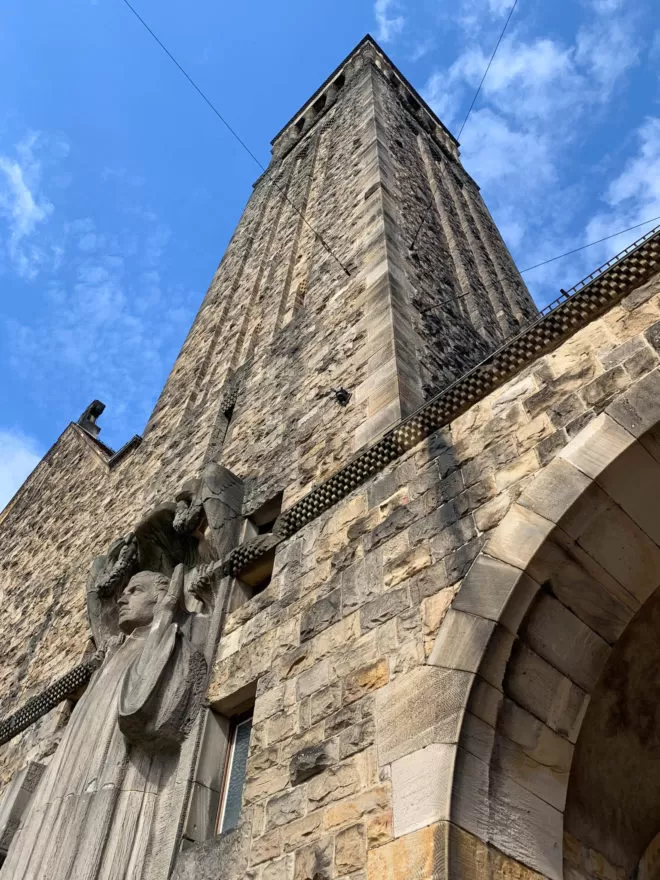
{"x": 258, "y": 575}
{"x": 262, "y": 520}
{"x": 339, "y": 82}
{"x": 412, "y": 103}
{"x": 235, "y": 770}
{"x": 319, "y": 104}
{"x": 300, "y": 124}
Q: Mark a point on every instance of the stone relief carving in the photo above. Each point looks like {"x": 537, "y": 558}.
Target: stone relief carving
{"x": 111, "y": 801}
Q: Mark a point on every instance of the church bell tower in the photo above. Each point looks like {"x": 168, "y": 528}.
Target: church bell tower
{"x": 330, "y": 283}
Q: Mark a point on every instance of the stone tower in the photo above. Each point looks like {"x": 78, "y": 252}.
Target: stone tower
{"x": 319, "y": 287}
{"x": 363, "y": 600}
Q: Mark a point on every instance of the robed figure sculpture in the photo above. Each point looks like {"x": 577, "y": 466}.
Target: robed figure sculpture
{"x": 112, "y": 800}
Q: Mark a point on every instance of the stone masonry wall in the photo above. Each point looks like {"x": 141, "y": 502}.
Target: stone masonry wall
{"x": 459, "y": 257}
{"x": 359, "y": 594}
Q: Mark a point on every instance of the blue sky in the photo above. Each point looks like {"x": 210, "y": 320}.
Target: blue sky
{"x": 119, "y": 188}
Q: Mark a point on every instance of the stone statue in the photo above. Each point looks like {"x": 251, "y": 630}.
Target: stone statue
{"x": 112, "y": 800}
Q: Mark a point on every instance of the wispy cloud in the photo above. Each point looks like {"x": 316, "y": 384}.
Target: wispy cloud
{"x": 539, "y": 94}
{"x": 389, "y": 20}
{"x": 106, "y": 318}
{"x": 634, "y": 194}
{"x": 110, "y": 323}
{"x": 19, "y": 455}
{"x": 23, "y": 207}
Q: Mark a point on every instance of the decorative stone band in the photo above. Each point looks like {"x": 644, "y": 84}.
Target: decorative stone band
{"x": 244, "y": 555}
{"x": 45, "y": 701}
{"x": 589, "y": 299}
{"x": 573, "y": 310}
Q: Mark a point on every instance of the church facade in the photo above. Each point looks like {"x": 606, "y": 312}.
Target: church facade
{"x": 376, "y": 594}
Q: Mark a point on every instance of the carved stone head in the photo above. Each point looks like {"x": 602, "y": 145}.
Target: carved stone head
{"x": 138, "y": 601}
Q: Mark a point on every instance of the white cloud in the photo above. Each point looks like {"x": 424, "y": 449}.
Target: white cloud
{"x": 634, "y": 194}
{"x": 606, "y": 49}
{"x": 110, "y": 324}
{"x": 540, "y": 96}
{"x": 19, "y": 456}
{"x": 23, "y": 207}
{"x": 389, "y": 24}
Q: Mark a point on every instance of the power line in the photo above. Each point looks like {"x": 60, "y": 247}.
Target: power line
{"x": 232, "y": 131}
{"x": 591, "y": 243}
{"x": 476, "y": 94}
{"x": 467, "y": 115}
{"x": 461, "y": 296}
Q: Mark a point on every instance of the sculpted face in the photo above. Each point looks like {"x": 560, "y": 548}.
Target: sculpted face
{"x": 138, "y": 601}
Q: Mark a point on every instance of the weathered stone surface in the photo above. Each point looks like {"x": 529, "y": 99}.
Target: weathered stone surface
{"x": 285, "y": 808}
{"x": 200, "y": 861}
{"x": 335, "y": 645}
{"x": 310, "y": 761}
{"x": 314, "y": 861}
{"x": 350, "y": 849}
{"x": 365, "y": 679}
{"x": 419, "y": 708}
{"x": 321, "y": 615}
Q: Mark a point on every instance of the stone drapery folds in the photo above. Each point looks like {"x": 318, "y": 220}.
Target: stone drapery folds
{"x": 155, "y": 606}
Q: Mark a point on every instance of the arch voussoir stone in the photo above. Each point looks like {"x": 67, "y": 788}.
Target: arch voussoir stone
{"x": 501, "y": 777}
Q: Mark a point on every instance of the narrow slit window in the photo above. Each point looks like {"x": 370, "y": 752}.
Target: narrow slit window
{"x": 234, "y": 778}
{"x": 228, "y": 413}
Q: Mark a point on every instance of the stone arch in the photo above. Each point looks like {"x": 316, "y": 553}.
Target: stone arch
{"x": 525, "y": 642}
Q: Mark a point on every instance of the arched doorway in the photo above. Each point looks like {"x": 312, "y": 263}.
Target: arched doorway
{"x": 555, "y": 755}
{"x": 612, "y": 813}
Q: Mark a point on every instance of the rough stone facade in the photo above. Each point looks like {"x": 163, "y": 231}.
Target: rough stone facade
{"x": 404, "y": 727}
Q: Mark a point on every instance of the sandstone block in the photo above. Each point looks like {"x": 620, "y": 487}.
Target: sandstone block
{"x": 280, "y": 869}
{"x": 313, "y": 679}
{"x": 321, "y": 615}
{"x": 421, "y": 854}
{"x": 314, "y": 861}
{"x": 546, "y": 693}
{"x": 348, "y": 811}
{"x": 337, "y": 782}
{"x": 421, "y": 787}
{"x": 302, "y": 831}
{"x": 452, "y": 537}
{"x": 325, "y": 702}
{"x": 356, "y": 738}
{"x": 380, "y": 829}
{"x": 605, "y": 386}
{"x": 525, "y": 464}
{"x": 568, "y": 644}
{"x": 350, "y": 849}
{"x": 559, "y": 485}
{"x": 263, "y": 783}
{"x": 491, "y": 513}
{"x": 518, "y": 536}
{"x": 421, "y": 707}
{"x": 461, "y": 641}
{"x": 367, "y": 678}
{"x": 434, "y": 609}
{"x": 285, "y": 808}
{"x": 311, "y": 761}
{"x": 497, "y": 591}
{"x": 383, "y": 608}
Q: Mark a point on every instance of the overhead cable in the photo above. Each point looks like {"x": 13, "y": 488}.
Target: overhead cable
{"x": 453, "y": 299}
{"x": 591, "y": 244}
{"x": 232, "y": 131}
{"x": 467, "y": 115}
